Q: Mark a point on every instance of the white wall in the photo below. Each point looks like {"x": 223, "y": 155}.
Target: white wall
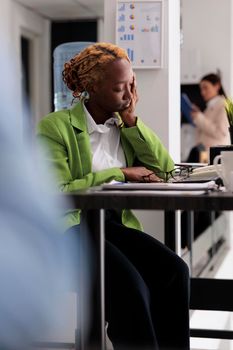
{"x": 5, "y": 24}
{"x": 8, "y": 60}
{"x": 37, "y": 29}
{"x": 14, "y": 21}
{"x": 207, "y": 29}
{"x": 100, "y": 29}
{"x": 159, "y": 92}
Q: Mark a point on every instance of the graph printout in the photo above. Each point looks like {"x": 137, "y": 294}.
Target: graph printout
{"x": 138, "y": 31}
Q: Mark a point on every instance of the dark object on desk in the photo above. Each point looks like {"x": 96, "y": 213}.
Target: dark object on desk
{"x": 186, "y": 108}
{"x": 216, "y": 150}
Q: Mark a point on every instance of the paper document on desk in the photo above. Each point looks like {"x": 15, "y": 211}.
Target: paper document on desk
{"x": 205, "y": 173}
{"x": 160, "y": 192}
{"x": 160, "y": 186}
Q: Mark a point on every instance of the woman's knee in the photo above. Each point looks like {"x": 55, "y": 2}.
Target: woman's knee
{"x": 182, "y": 266}
{"x": 122, "y": 277}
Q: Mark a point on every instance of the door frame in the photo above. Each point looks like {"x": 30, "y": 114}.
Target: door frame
{"x": 36, "y": 28}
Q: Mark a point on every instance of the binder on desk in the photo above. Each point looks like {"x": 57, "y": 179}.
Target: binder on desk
{"x": 160, "y": 186}
{"x": 186, "y": 108}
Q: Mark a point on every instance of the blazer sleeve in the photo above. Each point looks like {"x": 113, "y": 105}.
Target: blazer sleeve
{"x": 55, "y": 151}
{"x": 147, "y": 147}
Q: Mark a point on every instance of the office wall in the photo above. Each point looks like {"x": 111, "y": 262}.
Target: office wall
{"x": 7, "y": 58}
{"x": 207, "y": 29}
{"x": 5, "y": 25}
{"x": 15, "y": 21}
{"x": 159, "y": 99}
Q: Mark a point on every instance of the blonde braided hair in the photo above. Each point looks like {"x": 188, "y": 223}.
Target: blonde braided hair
{"x": 87, "y": 67}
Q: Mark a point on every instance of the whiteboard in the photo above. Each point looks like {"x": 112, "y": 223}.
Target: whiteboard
{"x": 139, "y": 31}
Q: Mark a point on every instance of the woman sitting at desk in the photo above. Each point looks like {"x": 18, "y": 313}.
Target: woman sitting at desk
{"x": 100, "y": 140}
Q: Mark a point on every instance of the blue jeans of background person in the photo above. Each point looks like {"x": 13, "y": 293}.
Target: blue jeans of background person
{"x": 146, "y": 291}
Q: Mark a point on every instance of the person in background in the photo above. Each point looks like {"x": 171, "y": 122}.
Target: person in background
{"x": 99, "y": 140}
{"x": 212, "y": 124}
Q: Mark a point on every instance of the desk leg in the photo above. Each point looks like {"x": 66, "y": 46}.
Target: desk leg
{"x": 213, "y": 234}
{"x": 95, "y": 340}
{"x": 178, "y": 232}
{"x": 169, "y": 232}
{"x": 173, "y": 234}
{"x": 102, "y": 277}
{"x": 190, "y": 235}
{"x": 173, "y": 230}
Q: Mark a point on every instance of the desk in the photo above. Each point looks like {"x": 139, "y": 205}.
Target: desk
{"x": 90, "y": 199}
{"x": 98, "y": 201}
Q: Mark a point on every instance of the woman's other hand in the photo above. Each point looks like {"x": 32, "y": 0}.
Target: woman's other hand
{"x": 128, "y": 114}
{"x": 195, "y": 111}
{"x": 140, "y": 174}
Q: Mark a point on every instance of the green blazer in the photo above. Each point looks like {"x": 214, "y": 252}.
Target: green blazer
{"x": 68, "y": 151}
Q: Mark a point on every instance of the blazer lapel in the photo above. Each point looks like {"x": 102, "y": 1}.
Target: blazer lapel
{"x": 125, "y": 144}
{"x": 128, "y": 151}
{"x": 78, "y": 121}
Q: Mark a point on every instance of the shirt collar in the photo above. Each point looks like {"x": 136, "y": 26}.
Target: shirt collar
{"x": 101, "y": 128}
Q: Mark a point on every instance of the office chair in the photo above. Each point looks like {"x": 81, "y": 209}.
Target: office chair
{"x": 61, "y": 54}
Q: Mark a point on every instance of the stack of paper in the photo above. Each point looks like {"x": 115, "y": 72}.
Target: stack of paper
{"x": 205, "y": 172}
{"x": 160, "y": 186}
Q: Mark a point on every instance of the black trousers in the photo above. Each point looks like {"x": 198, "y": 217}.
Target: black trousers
{"x": 146, "y": 292}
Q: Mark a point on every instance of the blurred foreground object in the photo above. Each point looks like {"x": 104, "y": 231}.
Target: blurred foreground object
{"x": 36, "y": 269}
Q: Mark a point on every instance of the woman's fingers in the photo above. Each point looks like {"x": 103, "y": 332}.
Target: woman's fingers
{"x": 140, "y": 174}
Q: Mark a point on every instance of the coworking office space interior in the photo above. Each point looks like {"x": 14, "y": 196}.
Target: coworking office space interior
{"x": 196, "y": 39}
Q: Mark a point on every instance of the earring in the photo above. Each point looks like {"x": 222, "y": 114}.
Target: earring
{"x": 84, "y": 96}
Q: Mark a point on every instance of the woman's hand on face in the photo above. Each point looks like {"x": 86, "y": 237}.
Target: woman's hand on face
{"x": 128, "y": 114}
{"x": 140, "y": 174}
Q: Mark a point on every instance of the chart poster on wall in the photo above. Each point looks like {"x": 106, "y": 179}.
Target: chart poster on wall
{"x": 139, "y": 31}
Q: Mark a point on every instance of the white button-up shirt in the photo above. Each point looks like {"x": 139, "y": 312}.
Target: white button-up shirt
{"x": 107, "y": 151}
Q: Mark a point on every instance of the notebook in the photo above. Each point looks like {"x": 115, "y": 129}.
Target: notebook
{"x": 159, "y": 186}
